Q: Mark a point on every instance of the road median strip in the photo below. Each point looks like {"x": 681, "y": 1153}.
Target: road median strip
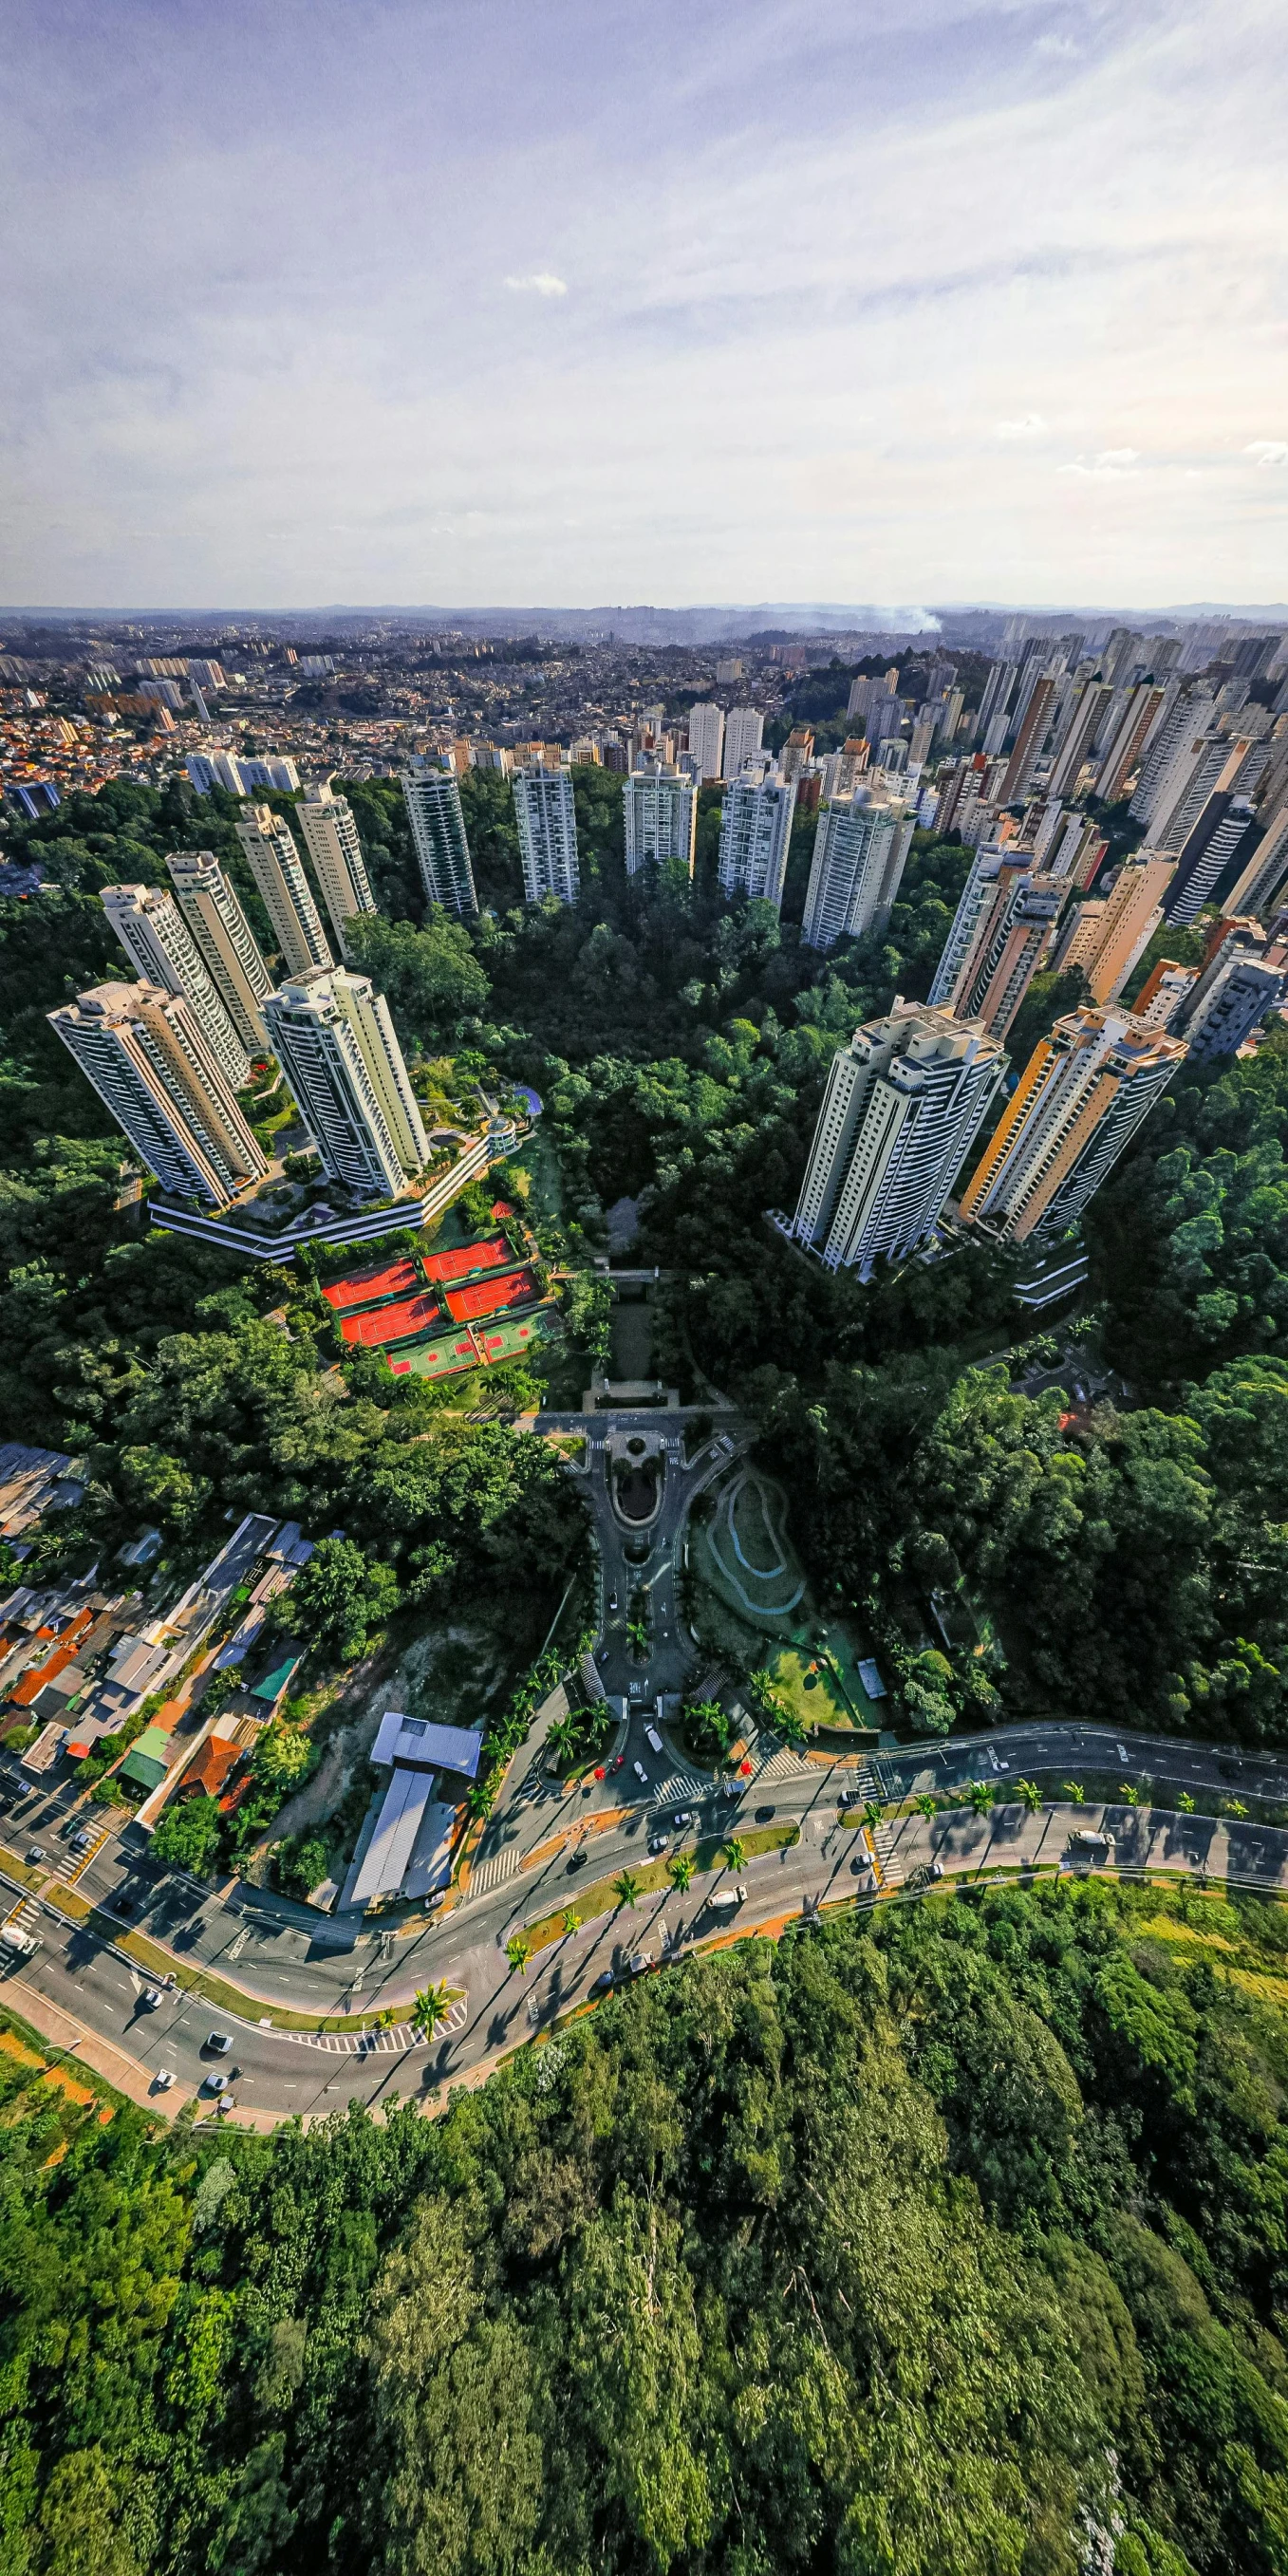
{"x": 602, "y": 1896}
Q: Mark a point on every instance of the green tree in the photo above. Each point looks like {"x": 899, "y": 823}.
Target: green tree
{"x": 430, "y": 977}
{"x": 571, "y": 1921}
{"x": 432, "y": 2005}
{"x": 679, "y": 1870}
{"x": 981, "y": 1797}
{"x": 626, "y": 1890}
{"x": 338, "y": 1598}
{"x": 518, "y": 1951}
{"x": 735, "y": 1852}
{"x": 1029, "y": 1794}
{"x": 188, "y": 1834}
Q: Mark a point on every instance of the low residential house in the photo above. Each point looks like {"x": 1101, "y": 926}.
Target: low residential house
{"x": 212, "y": 1771}
{"x": 148, "y": 1761}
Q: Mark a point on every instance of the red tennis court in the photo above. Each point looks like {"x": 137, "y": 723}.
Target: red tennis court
{"x": 491, "y": 1254}
{"x": 392, "y": 1323}
{"x": 366, "y": 1287}
{"x": 491, "y": 1296}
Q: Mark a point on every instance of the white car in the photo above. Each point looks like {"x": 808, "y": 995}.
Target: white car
{"x": 654, "y": 1739}
{"x": 219, "y": 2043}
{"x": 163, "y": 2079}
{"x": 150, "y": 1998}
{"x": 215, "y": 2084}
{"x": 640, "y": 1772}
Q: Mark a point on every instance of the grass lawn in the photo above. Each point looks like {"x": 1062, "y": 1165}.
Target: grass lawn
{"x": 816, "y": 1696}
{"x": 601, "y": 1897}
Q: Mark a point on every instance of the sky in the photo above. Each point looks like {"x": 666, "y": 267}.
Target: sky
{"x": 468, "y": 302}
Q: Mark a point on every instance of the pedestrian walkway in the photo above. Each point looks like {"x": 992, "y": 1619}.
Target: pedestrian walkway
{"x": 487, "y": 1874}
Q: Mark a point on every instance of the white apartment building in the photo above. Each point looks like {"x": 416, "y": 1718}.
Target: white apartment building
{"x": 744, "y": 734}
{"x": 660, "y": 811}
{"x": 755, "y": 829}
{"x": 331, "y": 839}
{"x": 335, "y": 1041}
{"x": 859, "y": 855}
{"x": 157, "y": 940}
{"x": 706, "y": 738}
{"x": 546, "y": 814}
{"x": 902, "y": 1104}
{"x": 210, "y": 906}
{"x": 149, "y": 1060}
{"x": 278, "y": 870}
{"x": 433, "y": 802}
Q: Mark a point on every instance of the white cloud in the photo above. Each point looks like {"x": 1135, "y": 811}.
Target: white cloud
{"x": 1111, "y": 462}
{"x": 1268, "y": 451}
{"x": 542, "y": 282}
{"x": 1029, "y": 425}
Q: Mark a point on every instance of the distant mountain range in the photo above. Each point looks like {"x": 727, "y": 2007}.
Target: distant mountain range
{"x": 763, "y": 621}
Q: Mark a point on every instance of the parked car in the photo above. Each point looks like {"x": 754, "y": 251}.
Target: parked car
{"x": 600, "y": 1984}
{"x": 218, "y": 2043}
{"x": 765, "y": 1815}
{"x": 163, "y": 2079}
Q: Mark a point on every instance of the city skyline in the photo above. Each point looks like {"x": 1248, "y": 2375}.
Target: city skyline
{"x": 1018, "y": 363}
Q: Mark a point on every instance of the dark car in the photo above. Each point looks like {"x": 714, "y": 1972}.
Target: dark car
{"x": 765, "y": 1814}
{"x": 35, "y": 1853}
{"x": 657, "y": 1843}
{"x": 578, "y": 1860}
{"x": 601, "y": 1983}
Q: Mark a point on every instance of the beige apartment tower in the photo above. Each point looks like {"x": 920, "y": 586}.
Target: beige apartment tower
{"x": 335, "y": 1042}
{"x": 331, "y": 839}
{"x": 278, "y": 870}
{"x": 901, "y": 1110}
{"x": 1083, "y": 1093}
{"x": 148, "y": 1058}
{"x": 210, "y": 906}
{"x": 1106, "y": 936}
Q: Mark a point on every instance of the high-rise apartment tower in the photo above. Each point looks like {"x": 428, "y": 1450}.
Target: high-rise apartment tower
{"x": 148, "y": 1058}
{"x": 335, "y": 1041}
{"x": 157, "y": 940}
{"x": 433, "y": 802}
{"x": 902, "y": 1105}
{"x": 331, "y": 839}
{"x": 278, "y": 870}
{"x": 755, "y": 828}
{"x": 706, "y": 738}
{"x": 859, "y": 855}
{"x": 1079, "y": 1101}
{"x": 210, "y": 906}
{"x": 660, "y": 811}
{"x": 546, "y": 814}
{"x": 744, "y": 732}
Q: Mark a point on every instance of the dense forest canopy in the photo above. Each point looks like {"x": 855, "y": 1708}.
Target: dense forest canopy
{"x": 952, "y": 2243}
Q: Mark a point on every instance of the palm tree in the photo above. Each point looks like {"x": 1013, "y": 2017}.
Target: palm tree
{"x": 1233, "y": 1807}
{"x": 680, "y": 1871}
{"x": 562, "y": 1737}
{"x": 1030, "y": 1794}
{"x": 872, "y": 1814}
{"x": 926, "y": 1805}
{"x": 518, "y": 1951}
{"x": 431, "y": 2007}
{"x": 786, "y": 1723}
{"x": 626, "y": 1889}
{"x": 1131, "y": 1797}
{"x": 637, "y": 1638}
{"x": 735, "y": 1852}
{"x": 982, "y": 1794}
{"x": 1185, "y": 1803}
{"x": 1073, "y": 1789}
{"x": 571, "y": 1921}
{"x": 480, "y": 1797}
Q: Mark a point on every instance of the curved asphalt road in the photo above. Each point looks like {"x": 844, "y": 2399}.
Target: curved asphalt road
{"x": 281, "y": 1954}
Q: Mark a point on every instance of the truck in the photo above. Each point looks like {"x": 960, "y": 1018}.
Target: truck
{"x": 22, "y": 1945}
{"x": 727, "y": 1900}
{"x": 1090, "y": 1846}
